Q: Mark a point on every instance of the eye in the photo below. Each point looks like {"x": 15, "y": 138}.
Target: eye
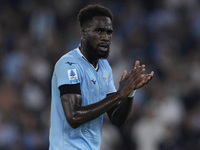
{"x": 109, "y": 32}
{"x": 98, "y": 31}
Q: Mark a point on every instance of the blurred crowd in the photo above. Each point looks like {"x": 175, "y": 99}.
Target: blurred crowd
{"x": 162, "y": 34}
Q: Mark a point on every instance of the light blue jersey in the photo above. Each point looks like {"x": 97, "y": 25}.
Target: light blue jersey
{"x": 72, "y": 68}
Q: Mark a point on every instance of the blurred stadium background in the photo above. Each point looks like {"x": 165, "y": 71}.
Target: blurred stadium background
{"x": 163, "y": 34}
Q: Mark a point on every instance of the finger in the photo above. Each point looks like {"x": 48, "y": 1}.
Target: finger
{"x": 144, "y": 79}
{"x": 124, "y": 75}
{"x": 137, "y": 72}
{"x": 149, "y": 77}
{"x": 139, "y": 82}
{"x": 152, "y": 73}
{"x": 137, "y": 68}
{"x": 137, "y": 63}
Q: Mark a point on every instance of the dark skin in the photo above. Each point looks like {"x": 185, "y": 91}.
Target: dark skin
{"x": 98, "y": 34}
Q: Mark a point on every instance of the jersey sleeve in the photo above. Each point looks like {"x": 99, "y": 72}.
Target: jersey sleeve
{"x": 67, "y": 72}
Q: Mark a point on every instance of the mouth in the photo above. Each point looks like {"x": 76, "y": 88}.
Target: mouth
{"x": 103, "y": 47}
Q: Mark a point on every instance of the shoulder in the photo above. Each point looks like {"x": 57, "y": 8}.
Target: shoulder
{"x": 69, "y": 58}
{"x": 68, "y": 61}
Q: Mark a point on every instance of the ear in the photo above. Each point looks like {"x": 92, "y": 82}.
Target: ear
{"x": 83, "y": 32}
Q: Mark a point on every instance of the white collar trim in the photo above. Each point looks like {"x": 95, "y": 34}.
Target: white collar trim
{"x": 78, "y": 50}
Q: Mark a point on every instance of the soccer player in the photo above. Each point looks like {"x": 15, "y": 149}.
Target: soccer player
{"x": 83, "y": 88}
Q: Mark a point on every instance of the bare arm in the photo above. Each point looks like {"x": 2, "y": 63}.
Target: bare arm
{"x": 76, "y": 114}
{"x": 120, "y": 113}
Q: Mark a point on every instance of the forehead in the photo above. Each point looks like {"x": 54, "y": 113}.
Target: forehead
{"x": 100, "y": 22}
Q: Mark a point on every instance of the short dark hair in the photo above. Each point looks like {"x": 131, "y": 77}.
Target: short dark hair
{"x": 90, "y": 11}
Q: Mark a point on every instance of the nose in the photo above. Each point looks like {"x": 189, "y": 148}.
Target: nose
{"x": 105, "y": 36}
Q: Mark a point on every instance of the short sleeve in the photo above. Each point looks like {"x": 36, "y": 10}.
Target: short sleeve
{"x": 67, "y": 72}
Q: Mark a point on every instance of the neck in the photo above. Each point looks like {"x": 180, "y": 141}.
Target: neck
{"x": 91, "y": 60}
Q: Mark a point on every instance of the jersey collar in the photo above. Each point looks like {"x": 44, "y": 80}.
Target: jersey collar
{"x": 78, "y": 50}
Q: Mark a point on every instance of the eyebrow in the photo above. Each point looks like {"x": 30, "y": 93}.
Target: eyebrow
{"x": 101, "y": 28}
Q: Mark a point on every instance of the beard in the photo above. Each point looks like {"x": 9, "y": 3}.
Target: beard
{"x": 95, "y": 53}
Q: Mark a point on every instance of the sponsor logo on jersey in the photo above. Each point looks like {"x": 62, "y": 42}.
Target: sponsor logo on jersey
{"x": 93, "y": 81}
{"x": 70, "y": 63}
{"x": 73, "y": 76}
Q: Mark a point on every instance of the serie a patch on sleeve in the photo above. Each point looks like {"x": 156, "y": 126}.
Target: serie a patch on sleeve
{"x": 73, "y": 76}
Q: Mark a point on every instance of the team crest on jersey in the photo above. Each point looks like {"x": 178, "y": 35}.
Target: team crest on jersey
{"x": 73, "y": 76}
{"x": 106, "y": 78}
